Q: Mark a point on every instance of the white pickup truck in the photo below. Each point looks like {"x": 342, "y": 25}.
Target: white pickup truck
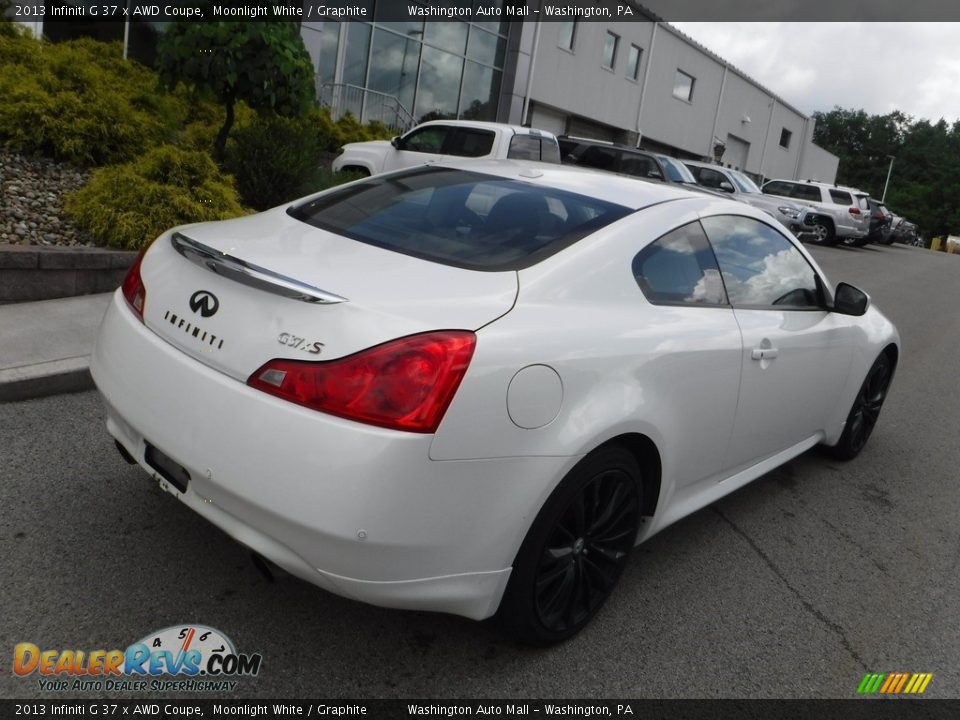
{"x": 438, "y": 139}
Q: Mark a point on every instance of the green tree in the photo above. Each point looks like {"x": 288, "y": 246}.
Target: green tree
{"x": 263, "y": 64}
{"x": 924, "y": 184}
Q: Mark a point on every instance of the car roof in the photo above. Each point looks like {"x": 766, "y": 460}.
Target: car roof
{"x": 604, "y": 143}
{"x": 625, "y": 190}
{"x": 700, "y": 163}
{"x": 483, "y": 124}
{"x": 819, "y": 183}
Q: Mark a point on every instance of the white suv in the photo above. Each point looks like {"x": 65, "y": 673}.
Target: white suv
{"x": 439, "y": 139}
{"x": 845, "y": 213}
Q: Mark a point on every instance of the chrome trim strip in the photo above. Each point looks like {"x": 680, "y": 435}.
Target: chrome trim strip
{"x": 249, "y": 274}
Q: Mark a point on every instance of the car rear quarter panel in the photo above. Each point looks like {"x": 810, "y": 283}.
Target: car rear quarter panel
{"x": 625, "y": 366}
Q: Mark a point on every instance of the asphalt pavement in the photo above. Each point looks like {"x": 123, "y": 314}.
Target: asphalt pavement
{"x": 795, "y": 586}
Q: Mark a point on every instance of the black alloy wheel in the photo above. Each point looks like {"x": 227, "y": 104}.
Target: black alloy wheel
{"x": 576, "y": 550}
{"x": 866, "y": 409}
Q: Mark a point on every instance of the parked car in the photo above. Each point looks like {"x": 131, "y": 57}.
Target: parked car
{"x": 880, "y": 223}
{"x": 627, "y": 160}
{"x": 904, "y": 231}
{"x": 844, "y": 212}
{"x": 474, "y": 387}
{"x": 800, "y": 219}
{"x": 439, "y": 139}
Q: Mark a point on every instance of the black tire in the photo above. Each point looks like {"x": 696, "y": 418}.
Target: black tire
{"x": 859, "y": 242}
{"x": 865, "y": 411}
{"x": 575, "y": 550}
{"x": 823, "y": 232}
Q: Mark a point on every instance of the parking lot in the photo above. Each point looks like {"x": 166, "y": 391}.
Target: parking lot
{"x": 795, "y": 586}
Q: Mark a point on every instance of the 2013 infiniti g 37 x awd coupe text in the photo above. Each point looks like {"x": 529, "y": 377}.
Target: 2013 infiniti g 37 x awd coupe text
{"x": 474, "y": 387}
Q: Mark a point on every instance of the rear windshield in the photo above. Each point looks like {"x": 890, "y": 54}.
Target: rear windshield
{"x": 677, "y": 171}
{"x": 460, "y": 218}
{"x": 534, "y": 147}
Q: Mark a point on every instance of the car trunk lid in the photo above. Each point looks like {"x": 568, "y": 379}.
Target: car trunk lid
{"x": 238, "y": 293}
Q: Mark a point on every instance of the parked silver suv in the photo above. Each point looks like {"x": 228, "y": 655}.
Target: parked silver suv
{"x": 741, "y": 187}
{"x": 845, "y": 215}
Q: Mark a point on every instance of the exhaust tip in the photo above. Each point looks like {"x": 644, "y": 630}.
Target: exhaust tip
{"x": 124, "y": 454}
{"x": 264, "y": 566}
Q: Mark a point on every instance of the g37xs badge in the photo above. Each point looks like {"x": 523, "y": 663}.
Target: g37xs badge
{"x": 204, "y": 302}
{"x": 299, "y": 343}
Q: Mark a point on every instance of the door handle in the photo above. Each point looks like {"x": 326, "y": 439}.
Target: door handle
{"x": 764, "y": 353}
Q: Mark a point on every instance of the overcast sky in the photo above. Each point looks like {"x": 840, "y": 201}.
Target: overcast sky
{"x": 877, "y": 67}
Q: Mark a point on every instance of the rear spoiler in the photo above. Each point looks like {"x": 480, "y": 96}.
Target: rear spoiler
{"x": 248, "y": 274}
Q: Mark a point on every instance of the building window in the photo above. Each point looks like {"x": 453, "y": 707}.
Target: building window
{"x": 610, "y": 50}
{"x": 785, "y": 136}
{"x": 568, "y": 34}
{"x": 683, "y": 86}
{"x": 633, "y": 62}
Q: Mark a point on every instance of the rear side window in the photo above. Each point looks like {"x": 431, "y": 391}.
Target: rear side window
{"x": 459, "y": 218}
{"x": 468, "y": 142}
{"x": 534, "y": 147}
{"x": 602, "y": 158}
{"x": 840, "y": 197}
{"x": 680, "y": 269}
{"x": 777, "y": 188}
{"x": 810, "y": 193}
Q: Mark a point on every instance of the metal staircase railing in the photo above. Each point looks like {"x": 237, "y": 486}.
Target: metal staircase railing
{"x": 365, "y": 105}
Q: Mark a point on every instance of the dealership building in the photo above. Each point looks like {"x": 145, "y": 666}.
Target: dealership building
{"x": 638, "y": 81}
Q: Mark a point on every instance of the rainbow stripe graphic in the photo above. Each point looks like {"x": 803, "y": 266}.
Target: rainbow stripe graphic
{"x": 894, "y": 683}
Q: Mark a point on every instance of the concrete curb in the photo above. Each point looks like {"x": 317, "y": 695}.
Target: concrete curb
{"x": 47, "y": 378}
{"x": 29, "y": 273}
{"x": 46, "y": 346}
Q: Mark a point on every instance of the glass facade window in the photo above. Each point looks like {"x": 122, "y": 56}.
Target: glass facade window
{"x": 478, "y": 97}
{"x": 449, "y": 36}
{"x": 427, "y": 70}
{"x": 633, "y": 62}
{"x": 440, "y": 75}
{"x": 610, "y": 44}
{"x": 683, "y": 86}
{"x": 329, "y": 45}
{"x": 568, "y": 34}
{"x": 357, "y": 53}
{"x": 486, "y": 47}
{"x": 393, "y": 65}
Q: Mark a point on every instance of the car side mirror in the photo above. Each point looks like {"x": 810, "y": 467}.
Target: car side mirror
{"x": 848, "y": 300}
{"x": 395, "y": 141}
{"x": 725, "y": 186}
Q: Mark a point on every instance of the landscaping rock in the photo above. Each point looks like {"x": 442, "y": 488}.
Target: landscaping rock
{"x": 32, "y": 209}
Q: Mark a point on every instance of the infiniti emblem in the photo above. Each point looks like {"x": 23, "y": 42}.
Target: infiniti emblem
{"x": 204, "y": 302}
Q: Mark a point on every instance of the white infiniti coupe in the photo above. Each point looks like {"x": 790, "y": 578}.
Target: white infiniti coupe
{"x": 474, "y": 387}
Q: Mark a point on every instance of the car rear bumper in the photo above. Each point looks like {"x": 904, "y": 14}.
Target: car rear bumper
{"x": 357, "y": 510}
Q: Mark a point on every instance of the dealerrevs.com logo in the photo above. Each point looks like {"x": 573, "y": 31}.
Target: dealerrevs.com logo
{"x": 201, "y": 659}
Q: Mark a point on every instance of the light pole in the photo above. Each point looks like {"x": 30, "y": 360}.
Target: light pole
{"x": 887, "y": 183}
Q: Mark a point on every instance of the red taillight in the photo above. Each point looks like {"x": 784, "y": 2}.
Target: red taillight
{"x": 133, "y": 289}
{"x": 405, "y": 384}
{"x": 854, "y": 211}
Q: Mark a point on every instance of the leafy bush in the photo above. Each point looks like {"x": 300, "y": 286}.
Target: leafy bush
{"x": 128, "y": 205}
{"x": 347, "y": 129}
{"x": 80, "y": 101}
{"x": 272, "y": 158}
